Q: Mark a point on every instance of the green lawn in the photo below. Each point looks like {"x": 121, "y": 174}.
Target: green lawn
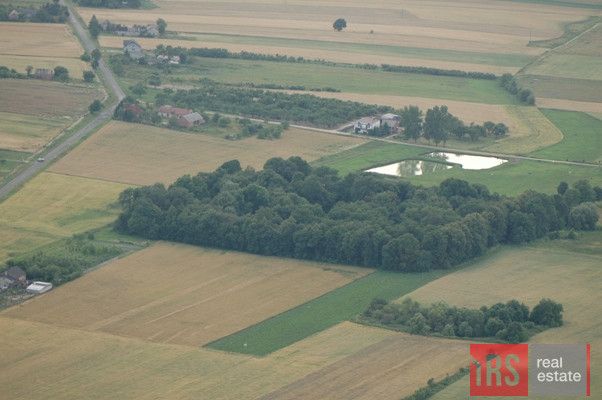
{"x": 511, "y": 178}
{"x": 504, "y": 60}
{"x": 321, "y": 313}
{"x": 9, "y": 160}
{"x": 582, "y": 137}
{"x": 316, "y": 76}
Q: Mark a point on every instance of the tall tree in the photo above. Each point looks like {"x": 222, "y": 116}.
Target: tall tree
{"x": 94, "y": 27}
{"x": 411, "y": 121}
{"x": 161, "y": 26}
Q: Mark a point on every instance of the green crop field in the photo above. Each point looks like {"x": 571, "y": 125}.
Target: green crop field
{"x": 511, "y": 178}
{"x": 9, "y": 160}
{"x": 321, "y": 313}
{"x": 582, "y": 137}
{"x": 563, "y": 88}
{"x": 316, "y": 76}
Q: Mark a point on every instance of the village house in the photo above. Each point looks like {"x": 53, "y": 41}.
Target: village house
{"x": 168, "y": 111}
{"x": 13, "y": 15}
{"x": 366, "y": 124}
{"x": 391, "y": 120}
{"x": 43, "y": 73}
{"x": 16, "y": 275}
{"x": 133, "y": 49}
{"x": 190, "y": 120}
{"x": 135, "y": 109}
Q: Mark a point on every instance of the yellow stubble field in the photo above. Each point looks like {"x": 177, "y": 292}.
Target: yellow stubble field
{"x": 180, "y": 294}
{"x": 141, "y": 154}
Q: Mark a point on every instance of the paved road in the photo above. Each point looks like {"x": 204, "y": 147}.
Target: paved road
{"x": 63, "y": 147}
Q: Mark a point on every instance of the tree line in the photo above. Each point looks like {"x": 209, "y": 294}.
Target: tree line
{"x": 438, "y": 125}
{"x": 511, "y": 322}
{"x": 60, "y": 73}
{"x": 509, "y": 82}
{"x": 52, "y": 13}
{"x": 110, "y": 3}
{"x": 291, "y": 209}
{"x": 208, "y": 52}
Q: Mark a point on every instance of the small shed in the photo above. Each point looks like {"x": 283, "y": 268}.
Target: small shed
{"x": 39, "y": 287}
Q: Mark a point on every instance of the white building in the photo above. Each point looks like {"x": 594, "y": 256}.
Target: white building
{"x": 366, "y": 124}
{"x": 39, "y": 287}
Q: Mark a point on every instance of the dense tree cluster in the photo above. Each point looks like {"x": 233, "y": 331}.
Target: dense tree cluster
{"x": 511, "y": 322}
{"x": 263, "y": 104}
{"x": 439, "y": 125}
{"x": 48, "y": 13}
{"x": 508, "y": 82}
{"x": 291, "y": 209}
{"x": 65, "y": 261}
{"x": 8, "y": 73}
{"x": 110, "y": 3}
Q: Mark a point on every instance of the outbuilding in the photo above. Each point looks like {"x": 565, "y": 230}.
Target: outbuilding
{"x": 39, "y": 287}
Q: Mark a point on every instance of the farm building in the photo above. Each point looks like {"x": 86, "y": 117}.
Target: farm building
{"x": 39, "y": 287}
{"x": 43, "y": 73}
{"x": 13, "y": 15}
{"x": 391, "y": 120}
{"x": 366, "y": 124}
{"x": 190, "y": 120}
{"x": 135, "y": 109}
{"x": 168, "y": 111}
{"x": 16, "y": 275}
{"x": 133, "y": 49}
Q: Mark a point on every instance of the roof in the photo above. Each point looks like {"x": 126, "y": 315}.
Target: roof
{"x": 131, "y": 43}
{"x": 39, "y": 287}
{"x": 15, "y": 273}
{"x": 180, "y": 112}
{"x": 194, "y": 117}
{"x": 367, "y": 120}
{"x": 390, "y": 116}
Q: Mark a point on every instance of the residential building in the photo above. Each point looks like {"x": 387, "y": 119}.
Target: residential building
{"x": 168, "y": 111}
{"x": 13, "y": 15}
{"x": 133, "y": 49}
{"x": 16, "y": 275}
{"x": 366, "y": 124}
{"x": 391, "y": 120}
{"x": 190, "y": 120}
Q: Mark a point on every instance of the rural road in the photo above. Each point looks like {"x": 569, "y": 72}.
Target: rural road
{"x": 63, "y": 147}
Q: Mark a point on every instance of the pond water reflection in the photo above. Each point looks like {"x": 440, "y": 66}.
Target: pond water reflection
{"x": 468, "y": 161}
{"x": 409, "y": 168}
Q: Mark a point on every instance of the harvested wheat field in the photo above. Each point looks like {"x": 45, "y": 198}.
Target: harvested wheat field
{"x": 530, "y": 131}
{"x": 565, "y": 271}
{"x": 44, "y": 98}
{"x": 312, "y": 53}
{"x": 60, "y": 205}
{"x": 141, "y": 154}
{"x": 182, "y": 294}
{"x": 41, "y": 46}
{"x": 391, "y": 369}
{"x": 75, "y": 364}
{"x": 28, "y": 133}
{"x": 488, "y": 26}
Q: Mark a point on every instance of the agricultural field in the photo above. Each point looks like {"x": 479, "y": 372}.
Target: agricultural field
{"x": 9, "y": 160}
{"x": 415, "y": 24}
{"x": 143, "y": 154}
{"x": 33, "y": 112}
{"x": 204, "y": 295}
{"x": 582, "y": 137}
{"x": 529, "y": 274}
{"x": 72, "y": 363}
{"x": 52, "y": 206}
{"x": 41, "y": 46}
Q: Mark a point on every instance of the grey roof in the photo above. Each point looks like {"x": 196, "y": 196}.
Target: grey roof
{"x": 15, "y": 273}
{"x": 390, "y": 116}
{"x": 194, "y": 117}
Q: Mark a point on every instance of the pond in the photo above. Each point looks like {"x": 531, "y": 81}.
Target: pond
{"x": 468, "y": 161}
{"x": 409, "y": 168}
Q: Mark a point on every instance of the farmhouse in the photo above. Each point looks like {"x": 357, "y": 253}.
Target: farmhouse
{"x": 39, "y": 287}
{"x": 133, "y": 49}
{"x": 366, "y": 124}
{"x": 43, "y": 73}
{"x": 391, "y": 120}
{"x": 168, "y": 111}
{"x": 16, "y": 275}
{"x": 13, "y": 15}
{"x": 190, "y": 120}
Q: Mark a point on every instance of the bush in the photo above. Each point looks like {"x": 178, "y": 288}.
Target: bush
{"x": 89, "y": 76}
{"x": 96, "y": 106}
